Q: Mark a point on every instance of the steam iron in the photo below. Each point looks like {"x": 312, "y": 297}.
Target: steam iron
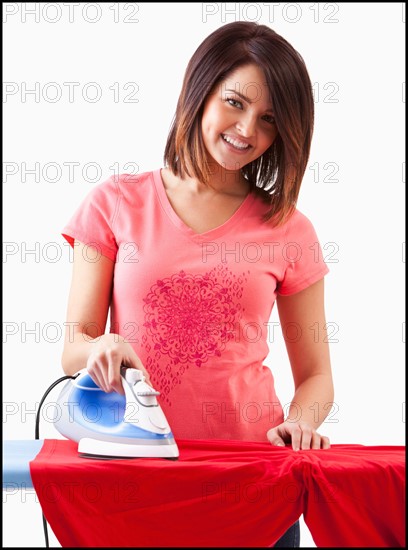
{"x": 111, "y": 425}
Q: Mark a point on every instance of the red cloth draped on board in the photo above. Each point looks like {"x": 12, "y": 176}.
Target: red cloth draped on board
{"x": 223, "y": 493}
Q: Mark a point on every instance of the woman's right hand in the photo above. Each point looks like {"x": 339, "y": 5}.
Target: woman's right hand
{"x": 109, "y": 353}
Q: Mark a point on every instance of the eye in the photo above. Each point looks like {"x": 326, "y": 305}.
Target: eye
{"x": 234, "y": 102}
{"x": 269, "y": 118}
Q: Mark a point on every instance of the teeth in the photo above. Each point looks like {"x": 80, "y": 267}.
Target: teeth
{"x": 235, "y": 143}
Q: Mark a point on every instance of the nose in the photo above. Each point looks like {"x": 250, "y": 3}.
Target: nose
{"x": 246, "y": 125}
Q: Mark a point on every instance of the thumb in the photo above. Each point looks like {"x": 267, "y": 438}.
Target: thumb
{"x": 275, "y": 439}
{"x": 135, "y": 363}
{"x": 278, "y": 442}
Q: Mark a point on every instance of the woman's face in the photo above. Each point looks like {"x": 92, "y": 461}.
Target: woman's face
{"x": 238, "y": 125}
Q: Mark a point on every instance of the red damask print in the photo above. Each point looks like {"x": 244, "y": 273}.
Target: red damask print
{"x": 188, "y": 319}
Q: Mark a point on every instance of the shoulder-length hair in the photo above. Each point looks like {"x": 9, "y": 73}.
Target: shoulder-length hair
{"x": 277, "y": 174}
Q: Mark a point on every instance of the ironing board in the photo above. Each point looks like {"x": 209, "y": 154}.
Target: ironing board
{"x": 224, "y": 493}
{"x": 17, "y": 455}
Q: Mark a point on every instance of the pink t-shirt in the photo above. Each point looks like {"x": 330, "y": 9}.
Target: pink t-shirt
{"x": 196, "y": 307}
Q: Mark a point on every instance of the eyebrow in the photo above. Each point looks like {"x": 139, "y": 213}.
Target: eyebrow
{"x": 242, "y": 96}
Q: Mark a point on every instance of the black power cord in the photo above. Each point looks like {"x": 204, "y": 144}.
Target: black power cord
{"x": 37, "y": 436}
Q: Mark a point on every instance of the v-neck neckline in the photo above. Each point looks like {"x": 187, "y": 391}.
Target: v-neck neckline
{"x": 214, "y": 233}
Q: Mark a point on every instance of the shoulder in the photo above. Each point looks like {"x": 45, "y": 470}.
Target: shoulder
{"x": 300, "y": 231}
{"x": 295, "y": 224}
{"x": 124, "y": 186}
{"x": 124, "y": 182}
{"x": 298, "y": 221}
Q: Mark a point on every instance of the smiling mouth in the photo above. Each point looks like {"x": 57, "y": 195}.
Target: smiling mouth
{"x": 236, "y": 143}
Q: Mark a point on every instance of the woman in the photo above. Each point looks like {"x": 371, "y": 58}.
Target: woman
{"x": 190, "y": 258}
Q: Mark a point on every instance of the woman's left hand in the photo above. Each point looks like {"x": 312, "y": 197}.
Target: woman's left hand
{"x": 300, "y": 434}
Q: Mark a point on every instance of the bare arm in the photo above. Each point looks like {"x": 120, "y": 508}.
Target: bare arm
{"x": 86, "y": 345}
{"x": 300, "y": 314}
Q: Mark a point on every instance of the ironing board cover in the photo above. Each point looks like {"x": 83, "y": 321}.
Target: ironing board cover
{"x": 223, "y": 493}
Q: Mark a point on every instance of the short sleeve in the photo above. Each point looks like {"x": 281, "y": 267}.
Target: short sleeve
{"x": 93, "y": 222}
{"x": 302, "y": 253}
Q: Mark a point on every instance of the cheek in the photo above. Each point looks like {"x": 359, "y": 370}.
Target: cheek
{"x": 267, "y": 138}
{"x": 209, "y": 122}
{"x": 216, "y": 118}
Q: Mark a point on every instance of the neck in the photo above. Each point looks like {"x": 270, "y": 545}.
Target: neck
{"x": 222, "y": 181}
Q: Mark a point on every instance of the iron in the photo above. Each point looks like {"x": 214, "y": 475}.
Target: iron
{"x": 111, "y": 425}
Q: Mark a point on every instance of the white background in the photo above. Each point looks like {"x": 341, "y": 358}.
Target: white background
{"x": 353, "y": 190}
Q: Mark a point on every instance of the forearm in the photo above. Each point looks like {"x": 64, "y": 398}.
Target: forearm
{"x": 76, "y": 352}
{"x": 312, "y": 401}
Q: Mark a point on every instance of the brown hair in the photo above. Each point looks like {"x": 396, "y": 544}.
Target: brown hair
{"x": 277, "y": 174}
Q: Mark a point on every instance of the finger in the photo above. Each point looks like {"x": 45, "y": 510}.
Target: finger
{"x": 325, "y": 442}
{"x": 115, "y": 377}
{"x": 94, "y": 371}
{"x": 316, "y": 440}
{"x": 296, "y": 438}
{"x": 307, "y": 434}
{"x": 103, "y": 372}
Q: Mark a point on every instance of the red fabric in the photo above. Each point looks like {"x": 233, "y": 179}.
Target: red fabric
{"x": 223, "y": 493}
{"x": 355, "y": 496}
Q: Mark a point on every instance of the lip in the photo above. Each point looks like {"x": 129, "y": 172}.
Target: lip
{"x": 234, "y": 149}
